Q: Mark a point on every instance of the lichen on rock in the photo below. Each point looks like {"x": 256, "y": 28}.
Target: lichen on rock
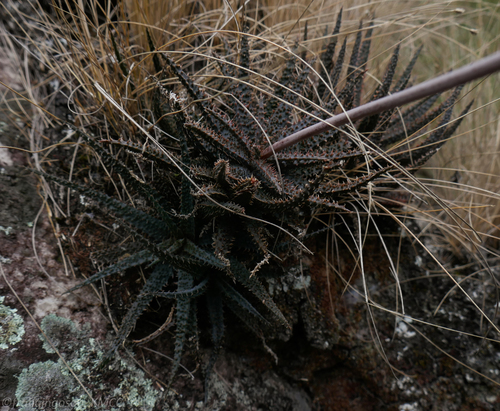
{"x": 52, "y": 384}
{"x": 11, "y": 326}
{"x": 63, "y": 334}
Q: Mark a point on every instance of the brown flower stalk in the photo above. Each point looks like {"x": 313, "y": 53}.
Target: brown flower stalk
{"x": 478, "y": 69}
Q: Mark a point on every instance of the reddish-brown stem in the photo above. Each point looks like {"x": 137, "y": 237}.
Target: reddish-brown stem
{"x": 481, "y": 68}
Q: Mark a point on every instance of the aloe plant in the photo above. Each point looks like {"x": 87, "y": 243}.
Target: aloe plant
{"x": 217, "y": 218}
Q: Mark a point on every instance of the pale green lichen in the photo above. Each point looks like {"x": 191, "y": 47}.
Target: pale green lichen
{"x": 63, "y": 334}
{"x": 5, "y": 260}
{"x": 11, "y": 326}
{"x": 53, "y": 383}
{"x": 7, "y": 230}
{"x": 42, "y": 386}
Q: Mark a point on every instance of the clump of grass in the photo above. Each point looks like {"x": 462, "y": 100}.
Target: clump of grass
{"x": 466, "y": 173}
